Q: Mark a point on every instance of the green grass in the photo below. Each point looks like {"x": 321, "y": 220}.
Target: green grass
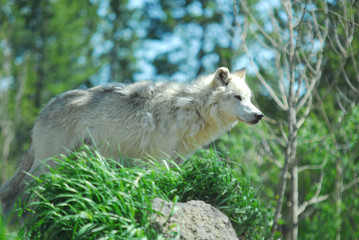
{"x": 5, "y": 234}
{"x": 205, "y": 177}
{"x": 90, "y": 197}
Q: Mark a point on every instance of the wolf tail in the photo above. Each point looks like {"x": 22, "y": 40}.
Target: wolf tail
{"x": 10, "y": 191}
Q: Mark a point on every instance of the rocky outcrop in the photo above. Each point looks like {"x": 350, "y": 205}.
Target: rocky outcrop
{"x": 192, "y": 220}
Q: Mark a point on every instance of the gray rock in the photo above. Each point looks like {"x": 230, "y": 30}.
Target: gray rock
{"x": 192, "y": 220}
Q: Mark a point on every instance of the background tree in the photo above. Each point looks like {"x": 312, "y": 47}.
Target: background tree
{"x": 45, "y": 47}
{"x": 297, "y": 36}
{"x": 338, "y": 97}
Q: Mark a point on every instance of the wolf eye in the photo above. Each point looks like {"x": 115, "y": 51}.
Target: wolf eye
{"x": 238, "y": 97}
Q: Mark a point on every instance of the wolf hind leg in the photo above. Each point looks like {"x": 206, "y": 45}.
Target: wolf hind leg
{"x": 10, "y": 191}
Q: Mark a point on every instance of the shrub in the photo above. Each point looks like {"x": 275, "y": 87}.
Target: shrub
{"x": 89, "y": 197}
{"x": 206, "y": 177}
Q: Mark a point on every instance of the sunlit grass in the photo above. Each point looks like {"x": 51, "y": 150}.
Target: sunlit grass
{"x": 90, "y": 197}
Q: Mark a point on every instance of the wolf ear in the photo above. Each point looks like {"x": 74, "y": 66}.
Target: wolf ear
{"x": 240, "y": 73}
{"x": 222, "y": 77}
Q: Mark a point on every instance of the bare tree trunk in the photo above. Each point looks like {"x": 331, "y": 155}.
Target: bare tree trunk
{"x": 280, "y": 194}
{"x": 338, "y": 196}
{"x": 295, "y": 202}
{"x": 292, "y": 122}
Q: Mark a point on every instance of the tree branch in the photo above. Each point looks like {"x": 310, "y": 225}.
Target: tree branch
{"x": 243, "y": 35}
{"x": 349, "y": 185}
{"x": 316, "y": 198}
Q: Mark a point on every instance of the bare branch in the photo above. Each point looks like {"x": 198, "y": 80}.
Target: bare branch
{"x": 284, "y": 134}
{"x": 305, "y": 114}
{"x": 275, "y": 26}
{"x": 338, "y": 44}
{"x": 264, "y": 33}
{"x": 278, "y": 61}
{"x": 281, "y": 80}
{"x": 349, "y": 185}
{"x": 317, "y": 71}
{"x": 243, "y": 35}
{"x": 309, "y": 167}
{"x": 300, "y": 80}
{"x": 313, "y": 167}
{"x": 347, "y": 80}
{"x": 339, "y": 16}
{"x": 312, "y": 201}
{"x": 307, "y": 63}
{"x": 291, "y": 144}
{"x": 313, "y": 82}
{"x": 316, "y": 198}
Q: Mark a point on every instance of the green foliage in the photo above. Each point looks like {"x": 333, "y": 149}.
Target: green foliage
{"x": 206, "y": 177}
{"x": 318, "y": 146}
{"x": 89, "y": 197}
{"x": 5, "y": 234}
{"x": 254, "y": 148}
{"x": 45, "y": 50}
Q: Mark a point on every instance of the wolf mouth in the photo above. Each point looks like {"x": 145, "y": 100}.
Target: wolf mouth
{"x": 251, "y": 122}
{"x": 255, "y": 121}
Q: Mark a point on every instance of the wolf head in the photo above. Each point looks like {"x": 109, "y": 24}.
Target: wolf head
{"x": 235, "y": 94}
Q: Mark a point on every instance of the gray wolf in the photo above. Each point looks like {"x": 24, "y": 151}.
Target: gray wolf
{"x": 160, "y": 119}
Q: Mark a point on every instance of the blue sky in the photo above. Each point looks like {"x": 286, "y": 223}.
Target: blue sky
{"x": 185, "y": 39}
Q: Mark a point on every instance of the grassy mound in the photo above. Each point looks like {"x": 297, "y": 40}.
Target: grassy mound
{"x": 205, "y": 177}
{"x": 90, "y": 197}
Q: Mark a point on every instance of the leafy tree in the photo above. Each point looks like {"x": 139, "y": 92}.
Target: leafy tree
{"x": 324, "y": 148}
{"x": 46, "y": 48}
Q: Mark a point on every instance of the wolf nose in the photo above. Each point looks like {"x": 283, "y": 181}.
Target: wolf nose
{"x": 258, "y": 116}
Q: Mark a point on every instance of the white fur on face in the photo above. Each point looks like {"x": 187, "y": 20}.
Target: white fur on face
{"x": 238, "y": 101}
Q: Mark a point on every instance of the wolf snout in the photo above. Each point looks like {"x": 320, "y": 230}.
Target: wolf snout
{"x": 258, "y": 116}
